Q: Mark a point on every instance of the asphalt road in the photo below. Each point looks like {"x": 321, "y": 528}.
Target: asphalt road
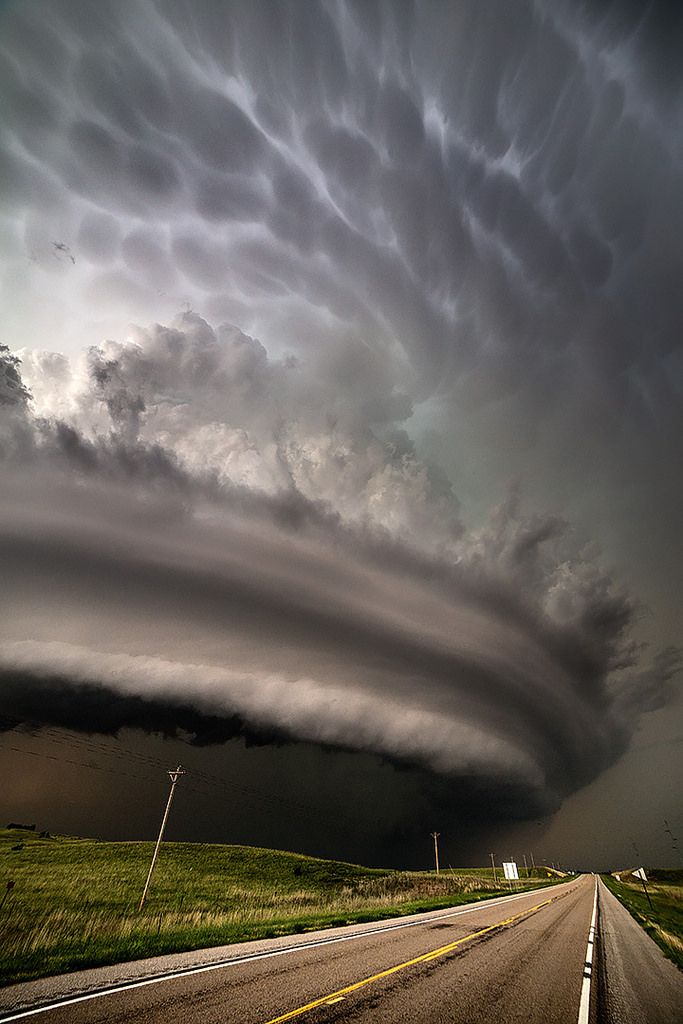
{"x": 519, "y": 959}
{"x": 637, "y": 984}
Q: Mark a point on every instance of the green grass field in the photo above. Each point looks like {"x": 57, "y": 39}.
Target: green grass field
{"x": 664, "y": 920}
{"x": 74, "y": 901}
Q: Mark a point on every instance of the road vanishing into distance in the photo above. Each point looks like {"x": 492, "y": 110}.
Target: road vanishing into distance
{"x": 570, "y": 953}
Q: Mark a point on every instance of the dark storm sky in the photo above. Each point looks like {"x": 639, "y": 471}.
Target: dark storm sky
{"x": 347, "y": 453}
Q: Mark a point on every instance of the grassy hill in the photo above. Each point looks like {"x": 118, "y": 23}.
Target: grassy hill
{"x": 73, "y": 902}
{"x": 664, "y": 919}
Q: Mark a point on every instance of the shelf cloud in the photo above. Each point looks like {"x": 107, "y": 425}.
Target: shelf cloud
{"x": 198, "y": 537}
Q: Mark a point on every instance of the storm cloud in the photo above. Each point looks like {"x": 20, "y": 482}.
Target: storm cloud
{"x": 214, "y": 521}
{"x": 423, "y": 250}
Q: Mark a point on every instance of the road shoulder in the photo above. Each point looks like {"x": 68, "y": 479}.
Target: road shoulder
{"x": 638, "y": 985}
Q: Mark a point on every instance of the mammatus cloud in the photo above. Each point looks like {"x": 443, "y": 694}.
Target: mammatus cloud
{"x": 194, "y": 536}
{"x": 490, "y": 198}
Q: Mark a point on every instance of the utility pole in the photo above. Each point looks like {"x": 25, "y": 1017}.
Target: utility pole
{"x": 533, "y": 863}
{"x": 526, "y": 866}
{"x": 493, "y": 865}
{"x": 435, "y": 837}
{"x": 174, "y": 776}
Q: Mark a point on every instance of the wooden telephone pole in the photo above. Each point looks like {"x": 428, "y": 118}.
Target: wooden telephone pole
{"x": 174, "y": 776}
{"x": 435, "y": 837}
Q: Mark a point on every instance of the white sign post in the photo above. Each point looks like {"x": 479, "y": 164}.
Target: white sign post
{"x": 640, "y": 873}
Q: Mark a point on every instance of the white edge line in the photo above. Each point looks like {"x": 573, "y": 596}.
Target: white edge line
{"x": 185, "y": 972}
{"x": 585, "y": 1004}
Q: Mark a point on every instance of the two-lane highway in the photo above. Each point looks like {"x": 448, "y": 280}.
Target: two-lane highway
{"x": 481, "y": 975}
{"x": 514, "y": 959}
{"x": 553, "y": 955}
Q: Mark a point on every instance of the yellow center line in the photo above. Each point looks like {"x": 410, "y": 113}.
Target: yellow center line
{"x": 423, "y": 958}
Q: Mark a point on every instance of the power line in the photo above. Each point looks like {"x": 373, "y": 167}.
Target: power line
{"x": 60, "y": 735}
{"x": 201, "y": 782}
{"x": 76, "y": 764}
{"x": 674, "y": 840}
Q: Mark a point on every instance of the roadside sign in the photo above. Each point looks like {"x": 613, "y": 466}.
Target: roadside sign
{"x": 510, "y": 869}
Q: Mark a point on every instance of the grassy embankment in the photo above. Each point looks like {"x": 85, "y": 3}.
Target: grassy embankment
{"x": 664, "y": 921}
{"x": 74, "y": 901}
